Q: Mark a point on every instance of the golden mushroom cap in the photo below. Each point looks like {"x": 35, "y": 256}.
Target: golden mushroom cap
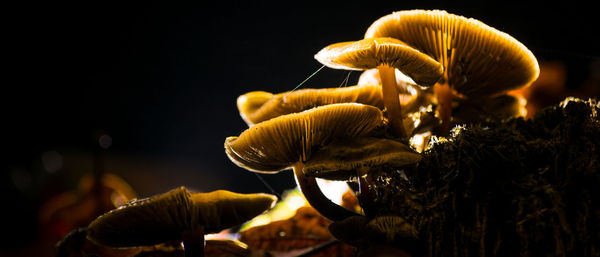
{"x": 164, "y": 217}
{"x": 477, "y": 59}
{"x": 223, "y": 209}
{"x": 250, "y": 103}
{"x": 276, "y": 144}
{"x": 371, "y": 52}
{"x": 344, "y": 159}
{"x": 390, "y": 228}
{"x": 489, "y": 108}
{"x": 304, "y": 99}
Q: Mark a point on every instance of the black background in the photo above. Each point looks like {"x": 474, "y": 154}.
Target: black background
{"x": 162, "y": 80}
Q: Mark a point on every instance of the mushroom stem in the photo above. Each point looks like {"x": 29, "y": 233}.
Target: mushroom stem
{"x": 444, "y": 98}
{"x": 311, "y": 191}
{"x": 366, "y": 196}
{"x": 193, "y": 242}
{"x": 390, "y": 99}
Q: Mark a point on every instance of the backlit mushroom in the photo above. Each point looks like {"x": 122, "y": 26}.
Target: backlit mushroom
{"x": 259, "y": 106}
{"x": 386, "y": 54}
{"x": 177, "y": 215}
{"x": 289, "y": 140}
{"x": 478, "y": 60}
{"x": 489, "y": 108}
{"x": 380, "y": 236}
{"x": 345, "y": 159}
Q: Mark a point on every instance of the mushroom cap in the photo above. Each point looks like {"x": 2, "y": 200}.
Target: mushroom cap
{"x": 390, "y": 228}
{"x": 344, "y": 159}
{"x": 296, "y": 101}
{"x": 249, "y": 103}
{"x": 489, "y": 108}
{"x": 223, "y": 209}
{"x": 351, "y": 230}
{"x": 278, "y": 143}
{"x": 369, "y": 53}
{"x": 164, "y": 217}
{"x": 477, "y": 59}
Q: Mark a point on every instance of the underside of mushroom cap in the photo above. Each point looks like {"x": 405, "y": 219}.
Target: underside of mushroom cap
{"x": 222, "y": 209}
{"x": 489, "y": 108}
{"x": 304, "y": 99}
{"x": 478, "y": 59}
{"x": 163, "y": 218}
{"x": 346, "y": 159}
{"x": 276, "y": 144}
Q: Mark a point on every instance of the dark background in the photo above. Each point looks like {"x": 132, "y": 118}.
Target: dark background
{"x": 162, "y": 80}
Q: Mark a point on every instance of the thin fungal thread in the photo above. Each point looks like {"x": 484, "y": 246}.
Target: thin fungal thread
{"x": 267, "y": 185}
{"x": 345, "y": 81}
{"x": 304, "y": 81}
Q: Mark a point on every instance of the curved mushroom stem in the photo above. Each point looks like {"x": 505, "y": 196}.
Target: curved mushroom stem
{"x": 311, "y": 191}
{"x": 444, "y": 98}
{"x": 391, "y": 100}
{"x": 366, "y": 196}
{"x": 193, "y": 242}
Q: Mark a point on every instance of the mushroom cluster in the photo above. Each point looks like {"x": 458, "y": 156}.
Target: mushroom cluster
{"x": 424, "y": 71}
{"x": 174, "y": 222}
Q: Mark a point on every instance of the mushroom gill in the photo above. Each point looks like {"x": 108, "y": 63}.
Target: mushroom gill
{"x": 259, "y": 106}
{"x": 287, "y": 141}
{"x": 386, "y": 54}
{"x": 346, "y": 159}
{"x": 278, "y": 143}
{"x": 478, "y": 60}
{"x": 173, "y": 215}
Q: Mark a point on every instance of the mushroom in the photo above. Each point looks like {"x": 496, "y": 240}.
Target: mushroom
{"x": 386, "y": 54}
{"x": 377, "y": 235}
{"x": 489, "y": 108}
{"x": 344, "y": 159}
{"x": 248, "y": 104}
{"x": 289, "y": 140}
{"x": 176, "y": 215}
{"x": 258, "y": 106}
{"x": 478, "y": 60}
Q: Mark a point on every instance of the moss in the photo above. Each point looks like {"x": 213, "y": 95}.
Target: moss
{"x": 507, "y": 188}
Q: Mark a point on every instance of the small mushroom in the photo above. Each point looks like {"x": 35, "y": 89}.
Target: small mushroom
{"x": 258, "y": 106}
{"x": 276, "y": 144}
{"x": 386, "y": 54}
{"x": 390, "y": 228}
{"x": 374, "y": 237}
{"x": 489, "y": 108}
{"x": 478, "y": 60}
{"x": 289, "y": 140}
{"x": 345, "y": 159}
{"x": 177, "y": 215}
